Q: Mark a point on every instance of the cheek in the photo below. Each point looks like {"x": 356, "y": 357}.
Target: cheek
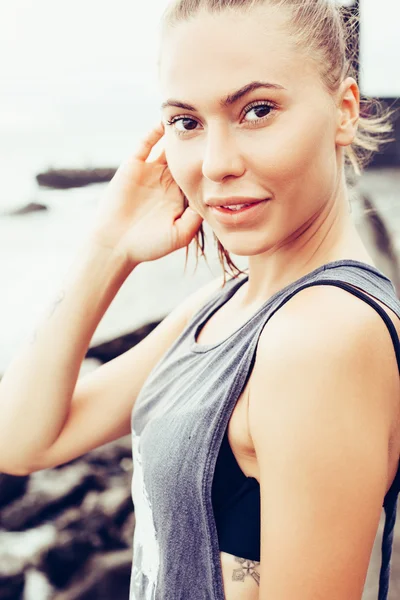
{"x": 181, "y": 167}
{"x": 298, "y": 148}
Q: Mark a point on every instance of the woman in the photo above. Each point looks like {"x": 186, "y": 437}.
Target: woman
{"x": 264, "y": 412}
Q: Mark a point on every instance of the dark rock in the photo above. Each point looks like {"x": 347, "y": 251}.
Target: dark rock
{"x": 93, "y": 528}
{"x": 11, "y": 487}
{"x": 12, "y": 580}
{"x": 50, "y": 492}
{"x": 108, "y": 350}
{"x": 62, "y": 561}
{"x": 12, "y": 587}
{"x": 68, "y": 516}
{"x": 111, "y": 455}
{"x": 28, "y": 209}
{"x": 103, "y": 577}
{"x": 70, "y": 178}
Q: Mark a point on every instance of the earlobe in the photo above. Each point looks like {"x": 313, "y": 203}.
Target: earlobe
{"x": 348, "y": 112}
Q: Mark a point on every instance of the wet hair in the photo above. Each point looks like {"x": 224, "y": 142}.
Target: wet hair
{"x": 328, "y": 34}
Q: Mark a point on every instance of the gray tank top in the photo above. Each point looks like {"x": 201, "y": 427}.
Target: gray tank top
{"x": 178, "y": 423}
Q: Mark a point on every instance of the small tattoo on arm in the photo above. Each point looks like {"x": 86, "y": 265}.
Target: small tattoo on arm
{"x": 50, "y": 312}
{"x": 54, "y": 305}
{"x": 248, "y": 568}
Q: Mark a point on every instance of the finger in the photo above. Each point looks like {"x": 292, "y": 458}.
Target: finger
{"x": 188, "y": 225}
{"x": 150, "y": 140}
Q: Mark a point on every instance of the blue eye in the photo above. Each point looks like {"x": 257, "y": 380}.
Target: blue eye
{"x": 256, "y": 106}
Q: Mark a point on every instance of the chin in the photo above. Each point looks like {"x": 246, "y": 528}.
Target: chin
{"x": 244, "y": 247}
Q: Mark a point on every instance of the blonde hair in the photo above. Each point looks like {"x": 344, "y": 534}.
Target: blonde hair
{"x": 327, "y": 34}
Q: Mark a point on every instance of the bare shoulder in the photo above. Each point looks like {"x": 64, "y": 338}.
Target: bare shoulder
{"x": 326, "y": 313}
{"x": 327, "y": 346}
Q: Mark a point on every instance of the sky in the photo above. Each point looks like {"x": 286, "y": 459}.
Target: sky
{"x": 56, "y": 55}
{"x": 64, "y": 63}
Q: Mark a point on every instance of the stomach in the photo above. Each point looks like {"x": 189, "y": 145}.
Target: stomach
{"x": 241, "y": 577}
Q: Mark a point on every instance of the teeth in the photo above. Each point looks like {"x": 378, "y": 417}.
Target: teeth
{"x": 237, "y": 206}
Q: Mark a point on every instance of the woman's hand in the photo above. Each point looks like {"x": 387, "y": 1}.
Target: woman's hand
{"x": 143, "y": 213}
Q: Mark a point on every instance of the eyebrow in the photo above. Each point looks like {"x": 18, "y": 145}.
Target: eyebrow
{"x": 231, "y": 98}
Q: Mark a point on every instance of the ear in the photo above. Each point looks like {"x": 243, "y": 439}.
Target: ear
{"x": 348, "y": 111}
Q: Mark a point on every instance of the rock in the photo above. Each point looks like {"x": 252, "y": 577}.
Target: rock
{"x": 12, "y": 579}
{"x": 94, "y": 528}
{"x": 111, "y": 456}
{"x": 70, "y": 178}
{"x": 11, "y": 487}
{"x": 25, "y": 548}
{"x": 49, "y": 492}
{"x": 115, "y": 504}
{"x": 12, "y": 587}
{"x": 37, "y": 586}
{"x": 103, "y": 577}
{"x": 28, "y": 209}
{"x": 66, "y": 557}
{"x": 108, "y": 350}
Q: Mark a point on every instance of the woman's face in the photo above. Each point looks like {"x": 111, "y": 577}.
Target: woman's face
{"x": 271, "y": 142}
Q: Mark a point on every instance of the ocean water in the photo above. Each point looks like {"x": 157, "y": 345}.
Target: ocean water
{"x": 36, "y": 250}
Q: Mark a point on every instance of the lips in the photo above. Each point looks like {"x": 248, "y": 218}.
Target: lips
{"x": 234, "y": 201}
{"x": 249, "y": 214}
{"x": 236, "y": 207}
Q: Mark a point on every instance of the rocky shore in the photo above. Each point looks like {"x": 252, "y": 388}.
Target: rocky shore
{"x": 66, "y": 533}
{"x": 63, "y": 179}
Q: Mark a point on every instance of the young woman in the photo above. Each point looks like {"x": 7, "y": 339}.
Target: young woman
{"x": 264, "y": 410}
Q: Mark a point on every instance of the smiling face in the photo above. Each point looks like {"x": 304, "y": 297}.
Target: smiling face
{"x": 275, "y": 141}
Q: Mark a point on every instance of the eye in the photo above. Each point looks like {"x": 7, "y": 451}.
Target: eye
{"x": 255, "y": 106}
{"x": 183, "y": 120}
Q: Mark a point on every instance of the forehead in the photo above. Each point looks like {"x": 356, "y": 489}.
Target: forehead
{"x": 218, "y": 51}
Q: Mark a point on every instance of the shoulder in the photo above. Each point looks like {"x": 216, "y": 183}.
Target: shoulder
{"x": 319, "y": 314}
{"x": 325, "y": 354}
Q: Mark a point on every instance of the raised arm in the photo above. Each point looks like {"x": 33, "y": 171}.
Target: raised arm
{"x": 321, "y": 410}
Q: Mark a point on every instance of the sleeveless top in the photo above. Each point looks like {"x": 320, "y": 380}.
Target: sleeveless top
{"x": 179, "y": 420}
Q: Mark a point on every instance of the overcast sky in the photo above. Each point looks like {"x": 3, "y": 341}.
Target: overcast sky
{"x": 60, "y": 58}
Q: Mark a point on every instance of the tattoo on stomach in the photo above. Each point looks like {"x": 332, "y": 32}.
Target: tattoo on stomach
{"x": 247, "y": 568}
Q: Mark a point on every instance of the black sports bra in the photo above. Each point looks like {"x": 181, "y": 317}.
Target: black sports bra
{"x": 236, "y": 503}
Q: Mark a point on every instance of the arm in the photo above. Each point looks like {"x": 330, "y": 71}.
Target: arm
{"x": 103, "y": 400}
{"x": 36, "y": 390}
{"x": 320, "y": 415}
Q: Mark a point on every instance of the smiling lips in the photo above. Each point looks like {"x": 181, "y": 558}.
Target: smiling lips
{"x": 236, "y": 214}
{"x": 234, "y": 201}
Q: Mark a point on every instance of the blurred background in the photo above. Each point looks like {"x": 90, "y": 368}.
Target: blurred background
{"x": 78, "y": 90}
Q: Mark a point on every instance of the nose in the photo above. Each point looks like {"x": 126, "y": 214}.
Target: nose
{"x": 221, "y": 157}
